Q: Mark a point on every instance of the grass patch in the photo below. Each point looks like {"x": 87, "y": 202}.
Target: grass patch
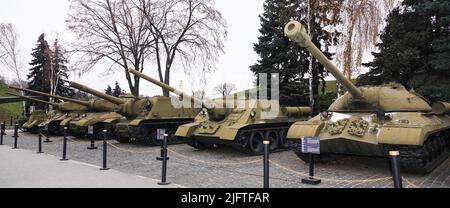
{"x": 9, "y": 109}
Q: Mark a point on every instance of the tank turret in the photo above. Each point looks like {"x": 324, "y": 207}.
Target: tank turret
{"x": 127, "y": 105}
{"x": 387, "y": 98}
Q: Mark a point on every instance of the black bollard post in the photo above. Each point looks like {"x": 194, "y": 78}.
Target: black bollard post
{"x": 2, "y": 133}
{"x": 395, "y": 168}
{"x": 164, "y": 163}
{"x": 47, "y": 135}
{"x": 311, "y": 180}
{"x": 64, "y": 158}
{"x": 92, "y": 146}
{"x": 266, "y": 163}
{"x": 39, "y": 140}
{"x": 11, "y": 121}
{"x": 16, "y": 134}
{"x": 161, "y": 157}
{"x": 105, "y": 146}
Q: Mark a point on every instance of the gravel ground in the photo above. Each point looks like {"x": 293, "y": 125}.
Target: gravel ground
{"x": 226, "y": 168}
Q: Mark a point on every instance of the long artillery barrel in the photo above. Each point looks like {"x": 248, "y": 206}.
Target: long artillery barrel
{"x": 16, "y": 98}
{"x": 297, "y": 32}
{"x": 99, "y": 94}
{"x": 34, "y": 99}
{"x": 167, "y": 87}
{"x": 84, "y": 103}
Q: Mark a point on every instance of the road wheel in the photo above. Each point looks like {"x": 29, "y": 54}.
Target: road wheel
{"x": 256, "y": 142}
{"x": 272, "y": 136}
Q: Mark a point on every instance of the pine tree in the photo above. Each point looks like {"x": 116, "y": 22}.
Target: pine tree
{"x": 279, "y": 55}
{"x": 117, "y": 90}
{"x": 415, "y": 50}
{"x": 109, "y": 90}
{"x": 59, "y": 72}
{"x": 39, "y": 75}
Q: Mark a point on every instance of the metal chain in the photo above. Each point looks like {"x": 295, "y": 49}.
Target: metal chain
{"x": 213, "y": 163}
{"x": 131, "y": 151}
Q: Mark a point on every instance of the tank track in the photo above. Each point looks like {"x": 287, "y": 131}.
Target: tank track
{"x": 147, "y": 136}
{"x": 424, "y": 159}
{"x": 242, "y": 142}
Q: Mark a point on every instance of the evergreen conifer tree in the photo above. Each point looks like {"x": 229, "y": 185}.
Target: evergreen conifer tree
{"x": 415, "y": 49}
{"x": 39, "y": 75}
{"x": 279, "y": 55}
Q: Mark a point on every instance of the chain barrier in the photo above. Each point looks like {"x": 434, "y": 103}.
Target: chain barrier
{"x": 409, "y": 182}
{"x": 219, "y": 163}
{"x": 213, "y": 163}
{"x": 131, "y": 151}
{"x": 330, "y": 179}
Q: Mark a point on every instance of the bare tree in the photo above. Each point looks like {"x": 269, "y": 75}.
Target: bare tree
{"x": 190, "y": 32}
{"x": 225, "y": 89}
{"x": 10, "y": 52}
{"x": 113, "y": 32}
{"x": 362, "y": 22}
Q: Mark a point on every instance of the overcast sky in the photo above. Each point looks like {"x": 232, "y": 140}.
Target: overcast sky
{"x": 31, "y": 18}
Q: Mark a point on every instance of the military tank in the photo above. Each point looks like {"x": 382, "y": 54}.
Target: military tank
{"x": 239, "y": 122}
{"x": 143, "y": 116}
{"x": 372, "y": 120}
{"x": 101, "y": 113}
{"x": 97, "y": 114}
{"x": 57, "y": 118}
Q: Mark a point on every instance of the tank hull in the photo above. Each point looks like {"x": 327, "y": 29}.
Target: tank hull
{"x": 364, "y": 135}
{"x": 36, "y": 118}
{"x": 244, "y": 129}
{"x": 145, "y": 130}
{"x": 91, "y": 125}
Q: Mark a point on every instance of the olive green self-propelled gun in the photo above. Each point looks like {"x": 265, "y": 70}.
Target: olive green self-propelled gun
{"x": 142, "y": 117}
{"x": 54, "y": 120}
{"x": 373, "y": 120}
{"x": 99, "y": 112}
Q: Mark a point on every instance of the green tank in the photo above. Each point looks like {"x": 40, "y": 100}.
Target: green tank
{"x": 143, "y": 116}
{"x": 373, "y": 120}
{"x": 101, "y": 114}
{"x": 97, "y": 114}
{"x": 59, "y": 117}
{"x": 242, "y": 126}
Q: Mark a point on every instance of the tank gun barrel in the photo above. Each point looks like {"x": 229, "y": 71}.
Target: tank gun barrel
{"x": 84, "y": 103}
{"x": 297, "y": 32}
{"x": 99, "y": 94}
{"x": 34, "y": 99}
{"x": 167, "y": 87}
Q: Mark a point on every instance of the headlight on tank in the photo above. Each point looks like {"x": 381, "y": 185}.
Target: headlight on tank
{"x": 388, "y": 116}
{"x": 253, "y": 114}
{"x": 204, "y": 112}
{"x": 324, "y": 116}
{"x": 84, "y": 115}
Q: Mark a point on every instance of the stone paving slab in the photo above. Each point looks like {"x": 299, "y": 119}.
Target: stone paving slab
{"x": 25, "y": 169}
{"x": 223, "y": 167}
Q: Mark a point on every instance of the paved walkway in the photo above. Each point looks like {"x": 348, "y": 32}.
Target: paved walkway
{"x": 26, "y": 169}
